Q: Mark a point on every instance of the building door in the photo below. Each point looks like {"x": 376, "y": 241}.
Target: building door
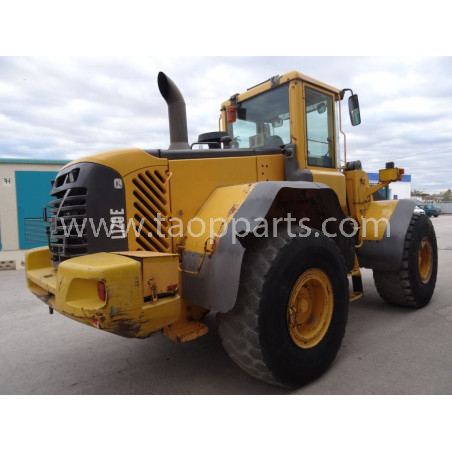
{"x": 33, "y": 193}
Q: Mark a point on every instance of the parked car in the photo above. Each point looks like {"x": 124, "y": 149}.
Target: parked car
{"x": 418, "y": 210}
{"x": 430, "y": 209}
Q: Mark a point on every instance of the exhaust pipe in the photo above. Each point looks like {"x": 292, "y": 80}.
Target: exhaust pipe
{"x": 177, "y": 115}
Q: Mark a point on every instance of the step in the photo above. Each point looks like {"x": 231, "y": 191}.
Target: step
{"x": 185, "y": 331}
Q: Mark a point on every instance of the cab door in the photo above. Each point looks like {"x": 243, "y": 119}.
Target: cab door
{"x": 321, "y": 139}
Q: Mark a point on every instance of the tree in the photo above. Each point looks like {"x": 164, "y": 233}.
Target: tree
{"x": 447, "y": 196}
{"x": 418, "y": 193}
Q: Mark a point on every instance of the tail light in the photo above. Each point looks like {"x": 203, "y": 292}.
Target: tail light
{"x": 101, "y": 290}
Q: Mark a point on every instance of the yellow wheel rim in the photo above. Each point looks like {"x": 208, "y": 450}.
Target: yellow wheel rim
{"x": 310, "y": 308}
{"x": 425, "y": 260}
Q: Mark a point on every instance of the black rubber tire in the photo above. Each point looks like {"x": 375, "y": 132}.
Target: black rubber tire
{"x": 405, "y": 287}
{"x": 255, "y": 333}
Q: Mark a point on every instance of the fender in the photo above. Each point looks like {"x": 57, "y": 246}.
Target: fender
{"x": 386, "y": 254}
{"x": 211, "y": 280}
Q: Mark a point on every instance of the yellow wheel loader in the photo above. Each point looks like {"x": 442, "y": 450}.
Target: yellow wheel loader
{"x": 263, "y": 222}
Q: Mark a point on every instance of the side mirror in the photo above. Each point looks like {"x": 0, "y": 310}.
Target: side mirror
{"x": 321, "y": 108}
{"x": 277, "y": 122}
{"x": 353, "y": 107}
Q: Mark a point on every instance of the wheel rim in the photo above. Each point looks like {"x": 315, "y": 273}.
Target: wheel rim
{"x": 425, "y": 260}
{"x": 310, "y": 308}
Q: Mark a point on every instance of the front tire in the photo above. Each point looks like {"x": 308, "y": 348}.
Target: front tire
{"x": 414, "y": 283}
{"x": 291, "y": 310}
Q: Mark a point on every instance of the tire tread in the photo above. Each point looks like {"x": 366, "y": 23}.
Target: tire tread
{"x": 239, "y": 328}
{"x": 396, "y": 287}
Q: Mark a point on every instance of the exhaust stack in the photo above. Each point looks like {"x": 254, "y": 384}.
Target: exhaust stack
{"x": 176, "y": 112}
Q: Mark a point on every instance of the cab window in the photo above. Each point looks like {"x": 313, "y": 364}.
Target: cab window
{"x": 319, "y": 128}
{"x": 263, "y": 120}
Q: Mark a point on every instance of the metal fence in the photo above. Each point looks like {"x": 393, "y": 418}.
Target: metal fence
{"x": 446, "y": 207}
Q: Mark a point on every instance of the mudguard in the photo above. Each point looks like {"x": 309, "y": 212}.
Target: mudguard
{"x": 211, "y": 280}
{"x": 386, "y": 254}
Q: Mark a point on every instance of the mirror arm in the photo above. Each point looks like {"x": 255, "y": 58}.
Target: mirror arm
{"x": 342, "y": 93}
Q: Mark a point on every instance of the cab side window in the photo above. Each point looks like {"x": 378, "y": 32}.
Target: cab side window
{"x": 319, "y": 128}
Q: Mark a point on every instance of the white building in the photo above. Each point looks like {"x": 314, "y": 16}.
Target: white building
{"x": 395, "y": 190}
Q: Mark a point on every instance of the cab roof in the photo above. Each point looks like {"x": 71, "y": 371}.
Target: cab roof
{"x": 288, "y": 77}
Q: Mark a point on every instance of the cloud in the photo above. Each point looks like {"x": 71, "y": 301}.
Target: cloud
{"x": 66, "y": 108}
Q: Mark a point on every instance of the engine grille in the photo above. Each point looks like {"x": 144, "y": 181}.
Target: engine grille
{"x": 150, "y": 198}
{"x": 68, "y": 217}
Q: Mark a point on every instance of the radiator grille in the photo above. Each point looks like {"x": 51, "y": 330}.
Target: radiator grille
{"x": 67, "y": 233}
{"x": 150, "y": 202}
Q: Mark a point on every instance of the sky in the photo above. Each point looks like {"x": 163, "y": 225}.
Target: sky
{"x": 69, "y": 107}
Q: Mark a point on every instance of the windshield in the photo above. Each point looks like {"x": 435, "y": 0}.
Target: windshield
{"x": 263, "y": 121}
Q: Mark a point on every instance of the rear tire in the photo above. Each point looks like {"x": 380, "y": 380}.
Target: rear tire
{"x": 414, "y": 283}
{"x": 291, "y": 310}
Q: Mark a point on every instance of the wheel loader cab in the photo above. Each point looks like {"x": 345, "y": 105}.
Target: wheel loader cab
{"x": 290, "y": 110}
